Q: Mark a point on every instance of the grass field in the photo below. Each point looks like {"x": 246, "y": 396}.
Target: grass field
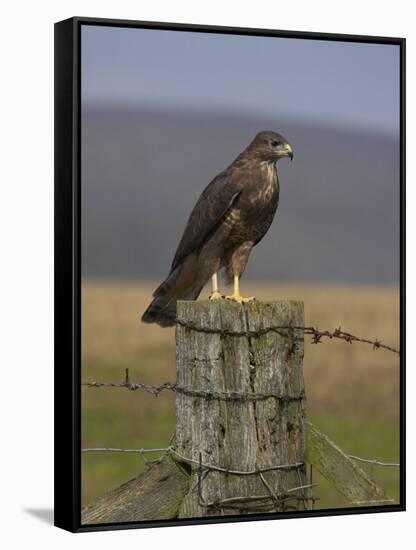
{"x": 352, "y": 391}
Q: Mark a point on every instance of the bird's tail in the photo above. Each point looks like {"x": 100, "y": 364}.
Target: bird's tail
{"x": 162, "y": 309}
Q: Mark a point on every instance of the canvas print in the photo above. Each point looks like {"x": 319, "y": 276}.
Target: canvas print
{"x": 240, "y": 274}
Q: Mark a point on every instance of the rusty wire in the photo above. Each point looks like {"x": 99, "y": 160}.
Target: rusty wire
{"x": 230, "y": 395}
{"x": 209, "y": 467}
{"x": 279, "y": 500}
{"x": 171, "y": 449}
{"x": 316, "y": 334}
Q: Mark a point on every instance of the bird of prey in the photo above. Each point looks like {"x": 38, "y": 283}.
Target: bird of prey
{"x": 231, "y": 216}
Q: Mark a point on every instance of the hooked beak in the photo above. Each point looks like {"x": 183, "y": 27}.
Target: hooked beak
{"x": 288, "y": 150}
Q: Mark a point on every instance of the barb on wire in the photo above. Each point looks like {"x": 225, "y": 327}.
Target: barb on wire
{"x": 171, "y": 449}
{"x": 150, "y": 388}
{"x": 315, "y": 333}
{"x": 204, "y": 469}
{"x": 230, "y": 395}
{"x": 279, "y": 500}
{"x": 140, "y": 452}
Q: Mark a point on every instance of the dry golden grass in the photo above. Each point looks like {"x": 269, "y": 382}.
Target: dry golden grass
{"x": 114, "y": 336}
{"x": 352, "y": 391}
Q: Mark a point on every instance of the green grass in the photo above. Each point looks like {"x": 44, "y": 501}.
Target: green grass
{"x": 135, "y": 423}
{"x": 366, "y": 436}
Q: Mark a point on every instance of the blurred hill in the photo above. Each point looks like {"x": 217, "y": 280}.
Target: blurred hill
{"x": 143, "y": 170}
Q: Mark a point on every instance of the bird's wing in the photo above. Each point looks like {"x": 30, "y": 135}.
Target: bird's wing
{"x": 211, "y": 207}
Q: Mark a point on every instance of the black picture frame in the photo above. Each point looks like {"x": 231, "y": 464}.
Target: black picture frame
{"x": 68, "y": 210}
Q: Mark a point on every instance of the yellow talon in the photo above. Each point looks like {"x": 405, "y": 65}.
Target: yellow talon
{"x": 236, "y": 296}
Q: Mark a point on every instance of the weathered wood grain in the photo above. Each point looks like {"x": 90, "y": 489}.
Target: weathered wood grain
{"x": 154, "y": 494}
{"x": 240, "y": 435}
{"x": 341, "y": 471}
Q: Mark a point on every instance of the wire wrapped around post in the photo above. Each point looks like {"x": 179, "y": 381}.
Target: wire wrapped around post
{"x": 242, "y": 435}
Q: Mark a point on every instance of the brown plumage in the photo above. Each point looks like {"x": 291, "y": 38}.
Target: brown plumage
{"x": 231, "y": 216}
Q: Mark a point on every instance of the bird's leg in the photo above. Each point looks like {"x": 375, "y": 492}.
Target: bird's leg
{"x": 236, "y": 296}
{"x": 215, "y": 293}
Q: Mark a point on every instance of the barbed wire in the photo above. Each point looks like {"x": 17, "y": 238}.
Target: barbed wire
{"x": 234, "y": 395}
{"x": 230, "y": 395}
{"x": 279, "y": 500}
{"x": 141, "y": 452}
{"x": 230, "y": 471}
{"x": 172, "y": 449}
{"x": 314, "y": 332}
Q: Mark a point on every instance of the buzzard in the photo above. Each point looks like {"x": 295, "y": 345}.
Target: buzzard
{"x": 231, "y": 216}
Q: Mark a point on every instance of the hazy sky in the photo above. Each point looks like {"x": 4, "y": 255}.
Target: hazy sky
{"x": 354, "y": 84}
{"x": 191, "y": 102}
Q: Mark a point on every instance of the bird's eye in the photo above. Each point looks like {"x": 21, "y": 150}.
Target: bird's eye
{"x": 276, "y": 144}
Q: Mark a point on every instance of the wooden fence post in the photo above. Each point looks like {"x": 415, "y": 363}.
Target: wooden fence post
{"x": 240, "y": 406}
{"x": 241, "y": 435}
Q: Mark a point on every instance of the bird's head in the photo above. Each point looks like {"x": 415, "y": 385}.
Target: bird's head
{"x": 270, "y": 146}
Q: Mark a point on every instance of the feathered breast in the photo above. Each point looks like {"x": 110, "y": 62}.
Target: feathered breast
{"x": 255, "y": 208}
